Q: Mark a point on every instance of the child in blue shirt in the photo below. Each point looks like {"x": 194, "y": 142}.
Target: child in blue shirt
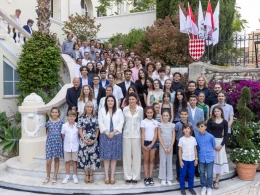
{"x": 206, "y": 144}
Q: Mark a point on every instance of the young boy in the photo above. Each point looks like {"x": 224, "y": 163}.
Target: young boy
{"x": 206, "y": 144}
{"x": 176, "y": 84}
{"x": 188, "y": 158}
{"x": 70, "y": 135}
{"x": 156, "y": 107}
{"x": 179, "y": 134}
{"x": 103, "y": 82}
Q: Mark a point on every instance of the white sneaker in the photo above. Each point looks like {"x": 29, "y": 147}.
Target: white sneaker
{"x": 163, "y": 182}
{"x": 203, "y": 191}
{"x": 66, "y": 179}
{"x": 209, "y": 191}
{"x": 75, "y": 179}
{"x": 169, "y": 182}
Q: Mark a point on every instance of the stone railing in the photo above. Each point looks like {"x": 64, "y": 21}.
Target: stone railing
{"x": 7, "y": 24}
{"x": 222, "y": 73}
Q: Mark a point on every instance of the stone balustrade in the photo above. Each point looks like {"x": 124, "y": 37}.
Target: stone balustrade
{"x": 226, "y": 74}
{"x": 9, "y": 26}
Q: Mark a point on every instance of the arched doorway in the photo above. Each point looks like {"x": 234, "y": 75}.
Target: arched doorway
{"x": 87, "y": 8}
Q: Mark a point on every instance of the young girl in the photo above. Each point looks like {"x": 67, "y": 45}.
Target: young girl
{"x": 111, "y": 69}
{"x": 91, "y": 70}
{"x": 168, "y": 72}
{"x": 88, "y": 155}
{"x": 149, "y": 128}
{"x": 168, "y": 88}
{"x": 156, "y": 94}
{"x": 158, "y": 65}
{"x": 131, "y": 64}
{"x": 149, "y": 85}
{"x": 179, "y": 103}
{"x": 201, "y": 104}
{"x": 166, "y": 105}
{"x": 188, "y": 158}
{"x": 118, "y": 64}
{"x": 125, "y": 101}
{"x": 218, "y": 127}
{"x": 86, "y": 95}
{"x": 166, "y": 136}
{"x": 119, "y": 78}
{"x": 54, "y": 149}
{"x": 99, "y": 66}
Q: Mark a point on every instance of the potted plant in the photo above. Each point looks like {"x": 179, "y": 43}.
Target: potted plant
{"x": 246, "y": 157}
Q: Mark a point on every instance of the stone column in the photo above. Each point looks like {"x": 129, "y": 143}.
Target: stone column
{"x": 33, "y": 140}
{"x": 195, "y": 70}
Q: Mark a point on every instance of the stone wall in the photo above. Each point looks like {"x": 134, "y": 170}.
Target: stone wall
{"x": 222, "y": 73}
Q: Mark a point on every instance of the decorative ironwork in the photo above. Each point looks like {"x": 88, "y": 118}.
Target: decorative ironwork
{"x": 237, "y": 50}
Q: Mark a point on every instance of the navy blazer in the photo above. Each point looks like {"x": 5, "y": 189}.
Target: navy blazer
{"x": 122, "y": 86}
{"x": 27, "y": 28}
{"x": 90, "y": 82}
{"x": 101, "y": 93}
{"x": 72, "y": 97}
{"x": 198, "y": 116}
{"x": 100, "y": 83}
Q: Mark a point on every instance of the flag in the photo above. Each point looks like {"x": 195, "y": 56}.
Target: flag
{"x": 191, "y": 23}
{"x": 209, "y": 22}
{"x": 201, "y": 23}
{"x": 215, "y": 35}
{"x": 182, "y": 17}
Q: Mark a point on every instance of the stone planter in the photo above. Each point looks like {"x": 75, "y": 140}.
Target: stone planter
{"x": 246, "y": 171}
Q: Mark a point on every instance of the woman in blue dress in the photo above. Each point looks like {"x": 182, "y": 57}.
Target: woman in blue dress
{"x": 110, "y": 120}
{"x": 88, "y": 155}
{"x": 54, "y": 149}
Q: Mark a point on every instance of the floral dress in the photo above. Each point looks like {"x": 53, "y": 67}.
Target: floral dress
{"x": 88, "y": 155}
{"x": 54, "y": 146}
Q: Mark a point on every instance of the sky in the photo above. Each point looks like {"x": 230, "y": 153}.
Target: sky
{"x": 250, "y": 10}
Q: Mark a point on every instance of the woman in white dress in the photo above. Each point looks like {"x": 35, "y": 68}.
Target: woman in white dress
{"x": 133, "y": 115}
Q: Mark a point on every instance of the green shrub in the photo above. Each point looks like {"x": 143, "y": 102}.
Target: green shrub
{"x": 10, "y": 140}
{"x": 38, "y": 67}
{"x": 4, "y": 122}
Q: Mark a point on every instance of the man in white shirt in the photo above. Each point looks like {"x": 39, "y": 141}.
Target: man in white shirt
{"x": 84, "y": 48}
{"x": 77, "y": 68}
{"x": 117, "y": 91}
{"x": 127, "y": 83}
{"x": 17, "y": 18}
{"x": 138, "y": 66}
{"x": 86, "y": 59}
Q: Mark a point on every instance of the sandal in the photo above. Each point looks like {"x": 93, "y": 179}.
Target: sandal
{"x": 54, "y": 181}
{"x": 216, "y": 185}
{"x": 47, "y": 180}
{"x": 87, "y": 179}
{"x": 91, "y": 180}
{"x": 127, "y": 182}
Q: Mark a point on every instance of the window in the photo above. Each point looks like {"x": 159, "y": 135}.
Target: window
{"x": 85, "y": 9}
{"x": 11, "y": 79}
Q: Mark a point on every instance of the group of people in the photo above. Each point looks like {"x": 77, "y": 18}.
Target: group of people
{"x": 123, "y": 108}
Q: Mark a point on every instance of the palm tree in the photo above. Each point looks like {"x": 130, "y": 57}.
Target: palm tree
{"x": 43, "y": 11}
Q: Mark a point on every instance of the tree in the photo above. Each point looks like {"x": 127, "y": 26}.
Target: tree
{"x": 81, "y": 26}
{"x": 167, "y": 44}
{"x": 38, "y": 66}
{"x": 44, "y": 13}
{"x": 162, "y": 8}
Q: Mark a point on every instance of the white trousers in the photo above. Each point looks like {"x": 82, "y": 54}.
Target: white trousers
{"x": 132, "y": 158}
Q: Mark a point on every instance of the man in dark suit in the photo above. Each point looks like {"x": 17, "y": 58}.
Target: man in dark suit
{"x": 99, "y": 91}
{"x": 85, "y": 79}
{"x": 28, "y": 27}
{"x": 73, "y": 94}
{"x": 127, "y": 83}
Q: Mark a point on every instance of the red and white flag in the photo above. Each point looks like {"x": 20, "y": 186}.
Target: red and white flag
{"x": 191, "y": 23}
{"x": 216, "y": 25}
{"x": 183, "y": 27}
{"x": 209, "y": 22}
{"x": 201, "y": 23}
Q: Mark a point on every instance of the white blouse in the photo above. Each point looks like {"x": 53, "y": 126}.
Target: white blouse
{"x": 132, "y": 122}
{"x": 104, "y": 120}
{"x": 102, "y": 103}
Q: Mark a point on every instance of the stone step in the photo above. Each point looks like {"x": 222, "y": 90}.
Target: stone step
{"x": 11, "y": 177}
{"x": 13, "y": 165}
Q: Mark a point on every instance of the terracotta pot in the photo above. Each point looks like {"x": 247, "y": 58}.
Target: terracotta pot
{"x": 246, "y": 171}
